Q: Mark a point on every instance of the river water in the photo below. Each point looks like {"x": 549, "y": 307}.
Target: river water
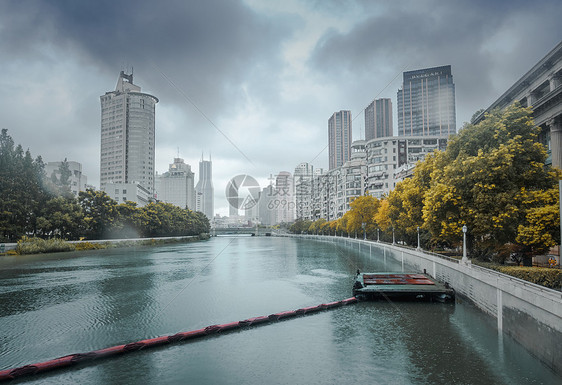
{"x": 58, "y": 304}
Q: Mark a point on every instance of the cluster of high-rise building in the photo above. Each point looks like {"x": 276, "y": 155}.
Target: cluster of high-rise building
{"x": 127, "y": 162}
{"x": 426, "y": 119}
{"x": 274, "y": 203}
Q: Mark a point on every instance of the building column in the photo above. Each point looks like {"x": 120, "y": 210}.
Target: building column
{"x": 555, "y": 81}
{"x": 555, "y": 125}
{"x": 531, "y": 99}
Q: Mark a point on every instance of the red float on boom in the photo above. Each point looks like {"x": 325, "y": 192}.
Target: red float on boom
{"x": 72, "y": 359}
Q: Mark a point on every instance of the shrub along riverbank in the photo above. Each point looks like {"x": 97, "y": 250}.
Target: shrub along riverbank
{"x": 544, "y": 276}
{"x": 36, "y": 245}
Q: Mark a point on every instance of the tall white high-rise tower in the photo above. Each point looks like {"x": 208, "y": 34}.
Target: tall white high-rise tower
{"x": 127, "y": 137}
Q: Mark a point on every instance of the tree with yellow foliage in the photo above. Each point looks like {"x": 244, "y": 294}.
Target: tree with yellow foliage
{"x": 541, "y": 229}
{"x": 383, "y": 220}
{"x": 316, "y": 226}
{"x": 333, "y": 226}
{"x": 362, "y": 211}
{"x": 341, "y": 224}
{"x": 405, "y": 205}
{"x": 479, "y": 182}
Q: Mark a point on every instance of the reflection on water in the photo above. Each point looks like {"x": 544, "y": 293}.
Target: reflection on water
{"x": 55, "y": 305}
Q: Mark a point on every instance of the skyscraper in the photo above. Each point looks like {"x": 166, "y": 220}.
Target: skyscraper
{"x": 127, "y": 136}
{"x": 204, "y": 190}
{"x": 378, "y": 119}
{"x": 426, "y": 103}
{"x": 339, "y": 138}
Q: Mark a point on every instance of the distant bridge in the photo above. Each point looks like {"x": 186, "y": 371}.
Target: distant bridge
{"x": 241, "y": 230}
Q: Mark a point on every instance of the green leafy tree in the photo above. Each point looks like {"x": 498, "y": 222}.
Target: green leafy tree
{"x": 100, "y": 213}
{"x": 165, "y": 219}
{"x": 475, "y": 115}
{"x": 64, "y": 182}
{"x": 300, "y": 226}
{"x": 199, "y": 223}
{"x": 65, "y": 174}
{"x": 59, "y": 186}
{"x": 21, "y": 192}
{"x": 129, "y": 221}
{"x": 156, "y": 219}
{"x": 61, "y": 217}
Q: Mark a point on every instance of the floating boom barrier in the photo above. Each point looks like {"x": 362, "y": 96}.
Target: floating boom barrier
{"x": 78, "y": 358}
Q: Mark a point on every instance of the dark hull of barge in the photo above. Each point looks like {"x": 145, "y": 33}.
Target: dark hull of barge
{"x": 401, "y": 287}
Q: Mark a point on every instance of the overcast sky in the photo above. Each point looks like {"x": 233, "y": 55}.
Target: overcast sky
{"x": 252, "y": 83}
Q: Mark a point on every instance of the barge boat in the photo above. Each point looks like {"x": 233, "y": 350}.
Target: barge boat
{"x": 401, "y": 286}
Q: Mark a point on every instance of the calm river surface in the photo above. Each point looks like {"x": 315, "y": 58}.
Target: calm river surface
{"x": 58, "y": 304}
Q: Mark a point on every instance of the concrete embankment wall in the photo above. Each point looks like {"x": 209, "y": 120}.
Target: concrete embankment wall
{"x": 529, "y": 313}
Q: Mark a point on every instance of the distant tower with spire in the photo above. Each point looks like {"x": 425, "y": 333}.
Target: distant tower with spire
{"x": 204, "y": 190}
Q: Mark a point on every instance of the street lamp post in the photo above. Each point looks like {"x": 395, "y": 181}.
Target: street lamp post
{"x": 393, "y": 239}
{"x": 464, "y": 258}
{"x": 378, "y": 238}
{"x": 364, "y": 232}
{"x": 419, "y": 238}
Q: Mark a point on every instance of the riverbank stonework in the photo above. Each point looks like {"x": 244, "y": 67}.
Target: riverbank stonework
{"x": 529, "y": 313}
